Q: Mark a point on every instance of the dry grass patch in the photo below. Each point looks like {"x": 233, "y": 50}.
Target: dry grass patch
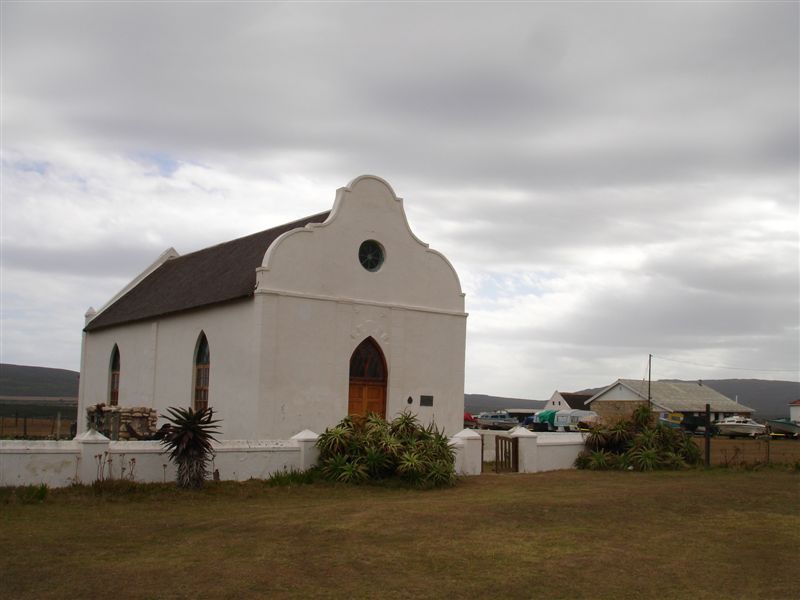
{"x": 739, "y": 451}
{"x": 568, "y": 534}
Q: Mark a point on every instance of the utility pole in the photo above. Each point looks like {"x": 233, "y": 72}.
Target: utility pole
{"x": 649, "y": 373}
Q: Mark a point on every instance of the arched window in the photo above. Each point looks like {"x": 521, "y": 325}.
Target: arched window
{"x": 202, "y": 366}
{"x": 113, "y": 387}
{"x": 367, "y": 362}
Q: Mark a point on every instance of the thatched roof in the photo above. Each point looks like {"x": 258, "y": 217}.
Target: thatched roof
{"x": 217, "y": 274}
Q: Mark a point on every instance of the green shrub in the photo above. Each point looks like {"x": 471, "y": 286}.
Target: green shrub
{"x": 638, "y": 443}
{"x": 360, "y": 449}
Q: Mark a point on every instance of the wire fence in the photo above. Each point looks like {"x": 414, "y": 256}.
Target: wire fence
{"x": 36, "y": 428}
{"x": 727, "y": 452}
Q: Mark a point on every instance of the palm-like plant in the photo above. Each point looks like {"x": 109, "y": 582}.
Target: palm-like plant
{"x": 188, "y": 440}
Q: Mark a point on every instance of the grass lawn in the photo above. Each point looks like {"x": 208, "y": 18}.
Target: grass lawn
{"x": 567, "y": 534}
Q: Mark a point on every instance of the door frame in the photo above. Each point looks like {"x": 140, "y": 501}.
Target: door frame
{"x": 369, "y": 381}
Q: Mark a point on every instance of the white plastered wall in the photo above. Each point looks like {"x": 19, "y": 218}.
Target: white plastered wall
{"x": 306, "y": 361}
{"x": 317, "y": 303}
{"x": 157, "y": 364}
{"x": 556, "y": 402}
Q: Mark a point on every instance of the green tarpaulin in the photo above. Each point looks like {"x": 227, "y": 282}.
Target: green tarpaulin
{"x": 547, "y": 416}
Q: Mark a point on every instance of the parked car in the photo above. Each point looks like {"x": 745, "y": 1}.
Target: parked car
{"x": 470, "y": 422}
{"x": 497, "y": 420}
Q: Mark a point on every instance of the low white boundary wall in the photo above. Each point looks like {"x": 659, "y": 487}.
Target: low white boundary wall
{"x": 92, "y": 456}
{"x": 542, "y": 451}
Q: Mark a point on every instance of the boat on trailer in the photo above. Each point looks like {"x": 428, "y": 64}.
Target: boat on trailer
{"x": 784, "y": 426}
{"x": 738, "y": 425}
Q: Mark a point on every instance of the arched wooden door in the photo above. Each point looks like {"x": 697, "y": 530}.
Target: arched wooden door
{"x": 367, "y": 380}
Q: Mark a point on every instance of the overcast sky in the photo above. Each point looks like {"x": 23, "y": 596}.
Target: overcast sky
{"x": 609, "y": 179}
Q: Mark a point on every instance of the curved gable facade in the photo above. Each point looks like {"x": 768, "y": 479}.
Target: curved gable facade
{"x": 321, "y": 259}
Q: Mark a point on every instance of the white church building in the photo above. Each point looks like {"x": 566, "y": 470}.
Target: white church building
{"x": 292, "y": 328}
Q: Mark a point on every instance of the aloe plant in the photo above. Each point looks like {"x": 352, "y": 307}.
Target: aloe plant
{"x": 599, "y": 460}
{"x": 412, "y": 466}
{"x": 377, "y": 462}
{"x": 358, "y": 449}
{"x": 597, "y": 438}
{"x": 333, "y": 466}
{"x": 440, "y": 473}
{"x": 404, "y": 425}
{"x": 188, "y": 440}
{"x": 352, "y": 472}
{"x": 334, "y": 441}
{"x": 689, "y": 451}
{"x": 642, "y": 417}
{"x": 645, "y": 458}
{"x": 638, "y": 443}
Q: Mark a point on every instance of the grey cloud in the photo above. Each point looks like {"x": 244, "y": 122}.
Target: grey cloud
{"x": 527, "y": 139}
{"x": 105, "y": 258}
{"x": 472, "y": 96}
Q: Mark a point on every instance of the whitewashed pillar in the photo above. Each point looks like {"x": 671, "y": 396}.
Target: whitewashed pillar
{"x": 528, "y": 450}
{"x": 467, "y": 444}
{"x": 92, "y": 445}
{"x": 306, "y": 440}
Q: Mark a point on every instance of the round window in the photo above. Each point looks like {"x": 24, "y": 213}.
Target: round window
{"x": 370, "y": 255}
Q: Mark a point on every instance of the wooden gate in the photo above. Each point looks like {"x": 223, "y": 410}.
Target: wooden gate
{"x": 506, "y": 454}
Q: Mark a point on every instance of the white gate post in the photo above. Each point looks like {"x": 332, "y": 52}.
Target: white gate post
{"x": 309, "y": 453}
{"x": 467, "y": 444}
{"x": 528, "y": 448}
{"x": 92, "y": 445}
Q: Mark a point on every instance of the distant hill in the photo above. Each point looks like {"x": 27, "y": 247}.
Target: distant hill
{"x": 476, "y": 403}
{"x": 19, "y": 380}
{"x": 770, "y": 399}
